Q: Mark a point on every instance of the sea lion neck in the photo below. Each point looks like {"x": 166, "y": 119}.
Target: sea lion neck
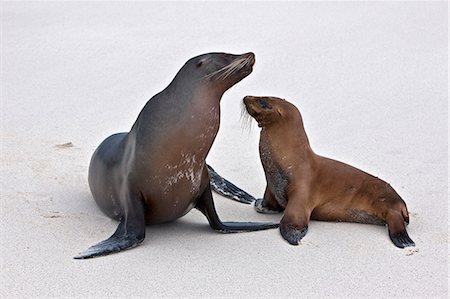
{"x": 278, "y": 139}
{"x": 287, "y": 131}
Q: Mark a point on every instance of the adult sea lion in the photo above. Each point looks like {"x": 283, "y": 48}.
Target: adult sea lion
{"x": 307, "y": 186}
{"x": 157, "y": 171}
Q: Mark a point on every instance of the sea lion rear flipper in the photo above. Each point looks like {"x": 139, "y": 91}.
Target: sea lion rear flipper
{"x": 205, "y": 205}
{"x": 401, "y": 239}
{"x": 397, "y": 229}
{"x": 227, "y": 189}
{"x": 129, "y": 234}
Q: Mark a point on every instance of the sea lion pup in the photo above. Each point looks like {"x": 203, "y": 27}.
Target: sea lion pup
{"x": 307, "y": 186}
{"x": 157, "y": 172}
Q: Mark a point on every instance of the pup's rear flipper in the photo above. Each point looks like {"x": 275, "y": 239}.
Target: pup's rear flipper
{"x": 396, "y": 221}
{"x": 401, "y": 239}
{"x": 227, "y": 189}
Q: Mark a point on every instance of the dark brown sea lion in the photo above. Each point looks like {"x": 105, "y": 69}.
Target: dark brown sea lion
{"x": 157, "y": 172}
{"x": 307, "y": 186}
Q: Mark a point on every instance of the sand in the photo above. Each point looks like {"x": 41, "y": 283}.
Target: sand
{"x": 370, "y": 78}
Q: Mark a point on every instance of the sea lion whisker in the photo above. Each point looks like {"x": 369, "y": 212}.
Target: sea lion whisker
{"x": 229, "y": 72}
{"x": 238, "y": 65}
{"x": 213, "y": 73}
{"x": 217, "y": 72}
{"x": 246, "y": 119}
{"x": 229, "y": 69}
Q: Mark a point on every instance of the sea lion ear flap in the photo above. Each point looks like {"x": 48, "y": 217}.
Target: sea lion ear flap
{"x": 279, "y": 112}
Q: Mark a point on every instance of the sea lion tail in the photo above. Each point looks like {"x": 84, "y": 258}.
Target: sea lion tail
{"x": 227, "y": 189}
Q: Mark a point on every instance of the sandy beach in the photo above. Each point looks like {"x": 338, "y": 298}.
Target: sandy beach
{"x": 370, "y": 79}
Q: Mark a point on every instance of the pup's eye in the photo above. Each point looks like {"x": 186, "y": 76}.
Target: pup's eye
{"x": 264, "y": 104}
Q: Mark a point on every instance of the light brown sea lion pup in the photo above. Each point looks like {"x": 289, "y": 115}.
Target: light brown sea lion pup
{"x": 307, "y": 186}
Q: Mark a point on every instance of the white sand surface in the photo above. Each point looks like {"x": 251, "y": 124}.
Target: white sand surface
{"x": 370, "y": 79}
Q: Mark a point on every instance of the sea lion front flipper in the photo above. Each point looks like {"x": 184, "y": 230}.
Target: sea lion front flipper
{"x": 261, "y": 207}
{"x": 294, "y": 224}
{"x": 227, "y": 189}
{"x": 205, "y": 205}
{"x": 130, "y": 233}
{"x": 292, "y": 234}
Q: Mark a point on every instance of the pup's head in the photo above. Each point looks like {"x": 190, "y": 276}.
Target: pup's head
{"x": 269, "y": 110}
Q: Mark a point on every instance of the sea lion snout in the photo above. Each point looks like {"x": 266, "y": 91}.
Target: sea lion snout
{"x": 260, "y": 108}
{"x": 250, "y": 56}
{"x": 249, "y": 102}
{"x": 257, "y": 108}
{"x": 225, "y": 70}
{"x": 261, "y": 102}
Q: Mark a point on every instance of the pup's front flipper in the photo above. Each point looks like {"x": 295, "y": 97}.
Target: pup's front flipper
{"x": 294, "y": 225}
{"x": 263, "y": 208}
{"x": 268, "y": 204}
{"x": 292, "y": 233}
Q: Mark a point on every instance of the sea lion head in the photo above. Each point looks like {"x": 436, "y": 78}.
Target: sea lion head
{"x": 269, "y": 110}
{"x": 221, "y": 70}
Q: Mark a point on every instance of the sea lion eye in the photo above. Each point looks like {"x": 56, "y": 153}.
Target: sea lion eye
{"x": 264, "y": 104}
{"x": 200, "y": 62}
